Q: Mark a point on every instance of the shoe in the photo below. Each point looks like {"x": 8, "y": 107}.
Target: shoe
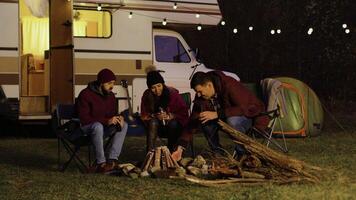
{"x": 102, "y": 168}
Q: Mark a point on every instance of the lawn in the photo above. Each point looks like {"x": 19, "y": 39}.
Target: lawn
{"x": 28, "y": 170}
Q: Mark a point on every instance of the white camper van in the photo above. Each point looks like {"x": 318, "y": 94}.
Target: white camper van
{"x": 125, "y": 36}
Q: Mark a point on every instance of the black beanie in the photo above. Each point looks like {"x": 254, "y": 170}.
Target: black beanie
{"x": 154, "y": 77}
{"x": 106, "y": 75}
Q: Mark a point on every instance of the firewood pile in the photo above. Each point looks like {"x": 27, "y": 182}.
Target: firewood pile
{"x": 261, "y": 165}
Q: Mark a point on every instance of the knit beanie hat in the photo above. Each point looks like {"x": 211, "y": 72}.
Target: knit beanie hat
{"x": 106, "y": 75}
{"x": 154, "y": 77}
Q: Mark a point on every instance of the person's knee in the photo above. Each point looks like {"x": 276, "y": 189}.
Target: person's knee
{"x": 98, "y": 128}
{"x": 241, "y": 124}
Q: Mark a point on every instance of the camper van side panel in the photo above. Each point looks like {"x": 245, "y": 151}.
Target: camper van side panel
{"x": 9, "y": 48}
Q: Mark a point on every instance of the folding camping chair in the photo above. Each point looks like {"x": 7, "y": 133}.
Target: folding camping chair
{"x": 275, "y": 105}
{"x": 70, "y": 135}
{"x": 267, "y": 134}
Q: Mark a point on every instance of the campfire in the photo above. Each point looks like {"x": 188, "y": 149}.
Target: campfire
{"x": 261, "y": 165}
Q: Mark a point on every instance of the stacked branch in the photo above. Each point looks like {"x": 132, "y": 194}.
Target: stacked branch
{"x": 275, "y": 165}
{"x": 159, "y": 160}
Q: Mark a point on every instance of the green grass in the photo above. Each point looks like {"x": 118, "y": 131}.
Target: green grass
{"x": 28, "y": 170}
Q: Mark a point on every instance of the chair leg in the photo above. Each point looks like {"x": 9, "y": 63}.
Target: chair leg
{"x": 271, "y": 140}
{"x": 58, "y": 153}
{"x": 73, "y": 155}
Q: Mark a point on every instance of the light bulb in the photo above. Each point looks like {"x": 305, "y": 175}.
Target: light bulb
{"x": 130, "y": 15}
{"x": 234, "y": 30}
{"x": 175, "y": 6}
{"x": 164, "y": 22}
{"x": 273, "y": 31}
{"x": 250, "y": 28}
{"x": 223, "y": 23}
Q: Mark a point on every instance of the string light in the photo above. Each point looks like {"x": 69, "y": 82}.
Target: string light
{"x": 279, "y": 31}
{"x": 273, "y": 31}
{"x": 164, "y": 22}
{"x": 347, "y": 31}
{"x": 223, "y": 23}
{"x": 310, "y": 31}
{"x": 99, "y": 7}
{"x": 130, "y": 15}
{"x": 344, "y": 26}
{"x": 199, "y": 27}
{"x": 234, "y": 30}
{"x": 197, "y": 15}
{"x": 175, "y": 6}
{"x": 250, "y": 28}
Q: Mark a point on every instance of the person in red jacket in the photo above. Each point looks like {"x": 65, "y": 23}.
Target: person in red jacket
{"x": 221, "y": 97}
{"x": 163, "y": 111}
{"x": 98, "y": 116}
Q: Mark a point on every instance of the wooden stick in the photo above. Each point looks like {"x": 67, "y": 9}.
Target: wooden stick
{"x": 163, "y": 159}
{"x": 147, "y": 163}
{"x": 157, "y": 162}
{"x": 279, "y": 161}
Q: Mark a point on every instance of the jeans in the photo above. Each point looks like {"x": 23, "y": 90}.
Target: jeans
{"x": 172, "y": 130}
{"x": 98, "y": 132}
{"x": 211, "y": 128}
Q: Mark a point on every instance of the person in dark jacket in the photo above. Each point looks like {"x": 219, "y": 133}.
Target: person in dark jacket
{"x": 97, "y": 112}
{"x": 163, "y": 111}
{"x": 221, "y": 97}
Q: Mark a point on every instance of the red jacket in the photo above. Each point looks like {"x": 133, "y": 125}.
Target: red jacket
{"x": 94, "y": 106}
{"x": 234, "y": 99}
{"x": 176, "y": 105}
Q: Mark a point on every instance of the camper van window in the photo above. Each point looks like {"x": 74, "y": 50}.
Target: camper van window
{"x": 170, "y": 49}
{"x": 92, "y": 23}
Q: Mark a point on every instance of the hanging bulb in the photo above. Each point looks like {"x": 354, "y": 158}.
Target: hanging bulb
{"x": 197, "y": 15}
{"x": 175, "y": 6}
{"x": 222, "y": 23}
{"x": 99, "y": 7}
{"x": 164, "y": 22}
{"x": 130, "y": 15}
{"x": 199, "y": 27}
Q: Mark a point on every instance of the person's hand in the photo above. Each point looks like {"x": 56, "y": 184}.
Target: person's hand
{"x": 162, "y": 116}
{"x": 177, "y": 155}
{"x": 114, "y": 120}
{"x": 207, "y": 115}
{"x": 121, "y": 120}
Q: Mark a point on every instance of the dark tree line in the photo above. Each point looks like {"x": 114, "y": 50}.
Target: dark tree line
{"x": 325, "y": 60}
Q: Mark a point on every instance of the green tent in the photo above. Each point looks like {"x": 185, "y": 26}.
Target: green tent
{"x": 304, "y": 113}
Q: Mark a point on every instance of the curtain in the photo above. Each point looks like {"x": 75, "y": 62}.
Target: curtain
{"x": 80, "y": 28}
{"x": 35, "y": 35}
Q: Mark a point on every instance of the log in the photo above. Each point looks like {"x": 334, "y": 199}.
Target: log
{"x": 163, "y": 159}
{"x": 148, "y": 161}
{"x": 157, "y": 162}
{"x": 196, "y": 180}
{"x": 278, "y": 161}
